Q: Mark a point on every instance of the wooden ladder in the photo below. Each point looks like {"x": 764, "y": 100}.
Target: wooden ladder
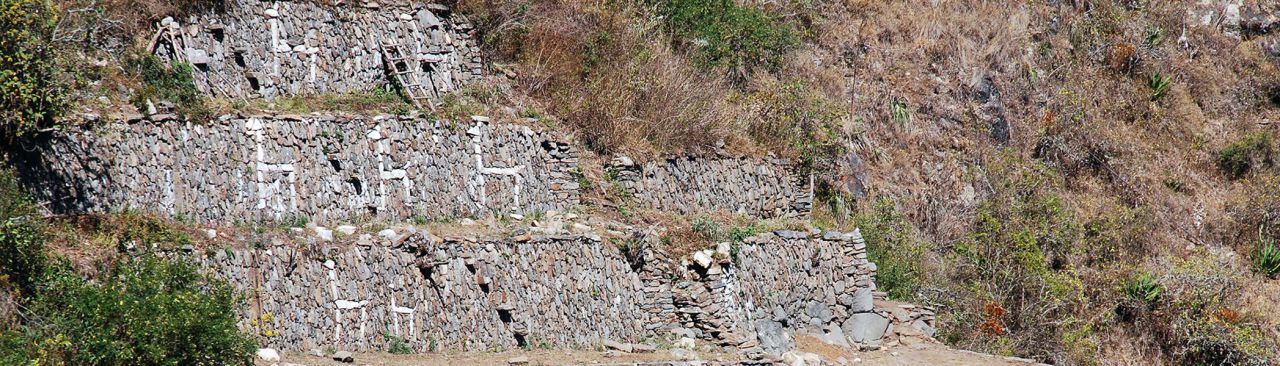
{"x": 400, "y": 64}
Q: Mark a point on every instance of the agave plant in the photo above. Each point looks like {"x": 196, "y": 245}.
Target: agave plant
{"x": 1145, "y": 288}
{"x": 1159, "y": 84}
{"x": 1266, "y": 258}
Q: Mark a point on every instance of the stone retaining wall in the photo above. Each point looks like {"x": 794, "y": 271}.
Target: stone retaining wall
{"x": 755, "y": 187}
{"x": 335, "y": 169}
{"x": 561, "y": 291}
{"x": 446, "y": 295}
{"x": 267, "y": 49}
{"x": 289, "y": 168}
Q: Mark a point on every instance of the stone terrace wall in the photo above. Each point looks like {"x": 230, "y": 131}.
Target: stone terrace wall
{"x": 757, "y": 187}
{"x": 265, "y": 168}
{"x": 458, "y": 295}
{"x": 562, "y": 291}
{"x": 266, "y": 49}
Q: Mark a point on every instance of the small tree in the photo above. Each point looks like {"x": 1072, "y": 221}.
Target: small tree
{"x": 30, "y": 92}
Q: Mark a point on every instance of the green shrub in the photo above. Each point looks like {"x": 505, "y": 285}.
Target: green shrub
{"x": 1021, "y": 256}
{"x": 141, "y": 311}
{"x": 30, "y": 91}
{"x": 894, "y": 248}
{"x": 163, "y": 81}
{"x": 727, "y": 34}
{"x": 397, "y": 345}
{"x": 1241, "y": 156}
{"x": 1144, "y": 288}
{"x": 22, "y": 257}
{"x": 1212, "y": 341}
{"x": 791, "y": 116}
{"x": 901, "y": 115}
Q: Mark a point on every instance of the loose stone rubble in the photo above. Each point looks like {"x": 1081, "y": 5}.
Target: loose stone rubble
{"x": 255, "y": 49}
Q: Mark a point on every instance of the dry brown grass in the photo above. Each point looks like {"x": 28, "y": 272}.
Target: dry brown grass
{"x": 1073, "y": 83}
{"x": 612, "y": 74}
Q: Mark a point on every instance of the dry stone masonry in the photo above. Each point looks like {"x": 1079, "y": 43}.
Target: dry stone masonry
{"x": 555, "y": 290}
{"x": 265, "y": 49}
{"x": 322, "y": 168}
{"x": 339, "y": 168}
{"x": 689, "y": 185}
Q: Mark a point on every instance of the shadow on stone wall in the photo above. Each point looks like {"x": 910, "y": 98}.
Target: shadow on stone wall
{"x": 36, "y": 161}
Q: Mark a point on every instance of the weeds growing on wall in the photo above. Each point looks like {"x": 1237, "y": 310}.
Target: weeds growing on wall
{"x": 167, "y": 82}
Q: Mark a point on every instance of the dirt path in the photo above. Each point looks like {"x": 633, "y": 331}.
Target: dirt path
{"x": 918, "y": 354}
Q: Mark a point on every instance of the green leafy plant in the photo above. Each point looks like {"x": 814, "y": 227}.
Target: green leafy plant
{"x": 171, "y": 82}
{"x": 30, "y": 89}
{"x": 1144, "y": 288}
{"x": 1159, "y": 85}
{"x": 901, "y": 115}
{"x": 146, "y": 310}
{"x": 22, "y": 258}
{"x": 739, "y": 233}
{"x": 397, "y": 345}
{"x": 1155, "y": 36}
{"x": 894, "y": 248}
{"x": 1266, "y": 256}
{"x": 727, "y": 34}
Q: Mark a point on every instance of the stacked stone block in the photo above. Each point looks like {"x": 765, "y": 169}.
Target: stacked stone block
{"x": 256, "y": 49}
{"x": 471, "y": 293}
{"x": 319, "y": 167}
{"x": 763, "y": 188}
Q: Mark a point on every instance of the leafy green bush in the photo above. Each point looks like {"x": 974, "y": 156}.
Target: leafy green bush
{"x": 727, "y": 34}
{"x": 1206, "y": 321}
{"x": 1022, "y": 255}
{"x": 22, "y": 257}
{"x": 397, "y": 345}
{"x": 30, "y": 92}
{"x": 791, "y": 116}
{"x": 141, "y": 311}
{"x": 894, "y": 248}
{"x": 163, "y": 81}
{"x": 1241, "y": 156}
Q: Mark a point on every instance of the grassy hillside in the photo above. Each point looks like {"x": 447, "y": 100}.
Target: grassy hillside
{"x": 1079, "y": 182}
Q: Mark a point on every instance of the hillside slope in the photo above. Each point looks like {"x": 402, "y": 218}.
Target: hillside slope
{"x": 1071, "y": 181}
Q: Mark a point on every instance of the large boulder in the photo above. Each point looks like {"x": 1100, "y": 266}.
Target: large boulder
{"x": 866, "y": 328}
{"x": 773, "y": 337}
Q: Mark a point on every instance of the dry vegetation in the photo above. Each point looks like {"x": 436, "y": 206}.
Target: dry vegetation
{"x": 1082, "y": 182}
